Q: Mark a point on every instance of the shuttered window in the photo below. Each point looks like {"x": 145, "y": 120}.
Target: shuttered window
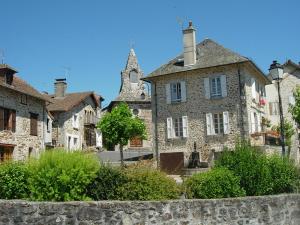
{"x": 34, "y": 124}
{"x": 215, "y": 87}
{"x": 217, "y": 123}
{"x": 177, "y": 127}
{"x": 176, "y": 92}
{"x": 7, "y": 119}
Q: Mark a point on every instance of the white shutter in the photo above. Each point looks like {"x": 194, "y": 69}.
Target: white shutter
{"x": 185, "y": 126}
{"x": 209, "y": 124}
{"x": 223, "y": 86}
{"x": 168, "y": 93}
{"x": 183, "y": 91}
{"x": 207, "y": 88}
{"x": 169, "y": 127}
{"x": 226, "y": 122}
{"x": 253, "y": 88}
{"x": 252, "y": 122}
{"x": 259, "y": 122}
{"x": 292, "y": 100}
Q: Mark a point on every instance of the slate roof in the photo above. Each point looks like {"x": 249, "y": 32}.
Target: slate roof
{"x": 22, "y": 86}
{"x": 70, "y": 100}
{"x": 208, "y": 54}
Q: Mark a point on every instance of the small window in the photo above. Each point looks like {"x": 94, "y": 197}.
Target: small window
{"x": 133, "y": 76}
{"x": 176, "y": 92}
{"x": 7, "y": 119}
{"x": 9, "y": 78}
{"x": 218, "y": 123}
{"x": 75, "y": 142}
{"x": 34, "y": 124}
{"x": 30, "y": 152}
{"x": 24, "y": 99}
{"x": 48, "y": 125}
{"x": 75, "y": 121}
{"x": 135, "y": 112}
{"x": 215, "y": 87}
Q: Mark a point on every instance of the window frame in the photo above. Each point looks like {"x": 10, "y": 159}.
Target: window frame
{"x": 176, "y": 96}
{"x": 34, "y": 124}
{"x": 218, "y": 87}
{"x": 218, "y": 123}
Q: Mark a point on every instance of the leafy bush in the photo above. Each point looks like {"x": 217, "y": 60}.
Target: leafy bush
{"x": 62, "y": 176}
{"x": 260, "y": 175}
{"x": 216, "y": 183}
{"x": 13, "y": 180}
{"x": 284, "y": 174}
{"x": 106, "y": 184}
{"x": 148, "y": 184}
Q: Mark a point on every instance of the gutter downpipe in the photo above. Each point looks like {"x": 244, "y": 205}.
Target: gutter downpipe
{"x": 155, "y": 126}
{"x": 241, "y": 105}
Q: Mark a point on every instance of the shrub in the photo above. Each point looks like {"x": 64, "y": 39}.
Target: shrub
{"x": 148, "y": 184}
{"x": 106, "y": 184}
{"x": 13, "y": 180}
{"x": 216, "y": 183}
{"x": 284, "y": 174}
{"x": 62, "y": 176}
{"x": 251, "y": 166}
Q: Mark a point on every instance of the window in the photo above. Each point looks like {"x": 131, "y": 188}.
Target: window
{"x": 24, "y": 99}
{"x": 175, "y": 92}
{"x": 215, "y": 87}
{"x": 274, "y": 108}
{"x": 133, "y": 76}
{"x": 34, "y": 124}
{"x": 48, "y": 125}
{"x": 30, "y": 152}
{"x": 9, "y": 78}
{"x": 255, "y": 122}
{"x": 75, "y": 142}
{"x": 177, "y": 127}
{"x": 218, "y": 122}
{"x": 76, "y": 121}
{"x": 7, "y": 119}
{"x": 135, "y": 112}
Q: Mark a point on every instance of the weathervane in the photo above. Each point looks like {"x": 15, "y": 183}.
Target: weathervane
{"x": 131, "y": 44}
{"x": 67, "y": 71}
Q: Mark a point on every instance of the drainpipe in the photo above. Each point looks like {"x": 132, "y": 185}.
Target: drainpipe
{"x": 155, "y": 125}
{"x": 241, "y": 104}
{"x": 44, "y": 136}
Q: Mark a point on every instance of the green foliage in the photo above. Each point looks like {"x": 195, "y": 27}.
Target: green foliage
{"x": 260, "y": 175}
{"x": 288, "y": 131}
{"x": 13, "y": 180}
{"x": 119, "y": 126}
{"x": 295, "y": 109}
{"x": 284, "y": 174}
{"x": 62, "y": 176}
{"x": 251, "y": 166}
{"x": 106, "y": 184}
{"x": 148, "y": 184}
{"x": 216, "y": 183}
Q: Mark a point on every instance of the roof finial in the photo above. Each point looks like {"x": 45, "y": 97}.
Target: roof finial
{"x": 131, "y": 44}
{"x": 2, "y": 56}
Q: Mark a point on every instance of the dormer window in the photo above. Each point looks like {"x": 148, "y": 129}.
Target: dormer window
{"x": 133, "y": 76}
{"x": 8, "y": 79}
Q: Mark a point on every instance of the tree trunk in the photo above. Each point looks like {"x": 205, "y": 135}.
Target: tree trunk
{"x": 121, "y": 155}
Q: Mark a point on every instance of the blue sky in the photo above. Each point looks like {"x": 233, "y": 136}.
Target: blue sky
{"x": 91, "y": 37}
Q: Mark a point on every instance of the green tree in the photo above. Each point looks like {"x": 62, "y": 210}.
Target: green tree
{"x": 119, "y": 126}
{"x": 295, "y": 109}
{"x": 288, "y": 132}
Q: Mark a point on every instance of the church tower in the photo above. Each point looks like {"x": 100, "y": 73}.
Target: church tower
{"x": 134, "y": 92}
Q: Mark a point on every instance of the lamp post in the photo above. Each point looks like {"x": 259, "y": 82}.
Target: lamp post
{"x": 276, "y": 71}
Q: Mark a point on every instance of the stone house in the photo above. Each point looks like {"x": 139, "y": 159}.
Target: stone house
{"x": 75, "y": 116}
{"x": 132, "y": 92}
{"x": 291, "y": 79}
{"x": 206, "y": 98}
{"x": 22, "y": 117}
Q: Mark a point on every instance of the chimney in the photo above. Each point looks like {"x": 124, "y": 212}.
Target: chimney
{"x": 60, "y": 87}
{"x": 189, "y": 45}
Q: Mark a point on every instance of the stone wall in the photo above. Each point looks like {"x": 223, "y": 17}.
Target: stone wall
{"x": 271, "y": 210}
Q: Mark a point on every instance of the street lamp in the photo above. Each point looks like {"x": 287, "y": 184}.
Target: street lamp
{"x": 276, "y": 71}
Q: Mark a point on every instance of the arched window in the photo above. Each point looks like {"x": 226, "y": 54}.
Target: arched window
{"x": 133, "y": 76}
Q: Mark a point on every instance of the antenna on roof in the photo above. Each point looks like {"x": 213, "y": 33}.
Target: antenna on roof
{"x": 2, "y": 56}
{"x": 179, "y": 21}
{"x": 67, "y": 71}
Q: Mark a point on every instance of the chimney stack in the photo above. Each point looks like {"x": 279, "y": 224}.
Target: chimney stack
{"x": 60, "y": 87}
{"x": 189, "y": 45}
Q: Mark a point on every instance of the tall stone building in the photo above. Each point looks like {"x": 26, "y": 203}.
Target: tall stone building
{"x": 23, "y": 117}
{"x": 135, "y": 94}
{"x": 207, "y": 97}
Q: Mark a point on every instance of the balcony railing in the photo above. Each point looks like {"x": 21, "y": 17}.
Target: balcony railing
{"x": 91, "y": 120}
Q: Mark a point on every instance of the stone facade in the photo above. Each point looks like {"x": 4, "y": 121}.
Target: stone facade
{"x": 70, "y": 134}
{"x": 290, "y": 81}
{"x": 196, "y": 107}
{"x": 134, "y": 93}
{"x": 272, "y": 210}
{"x": 22, "y": 142}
